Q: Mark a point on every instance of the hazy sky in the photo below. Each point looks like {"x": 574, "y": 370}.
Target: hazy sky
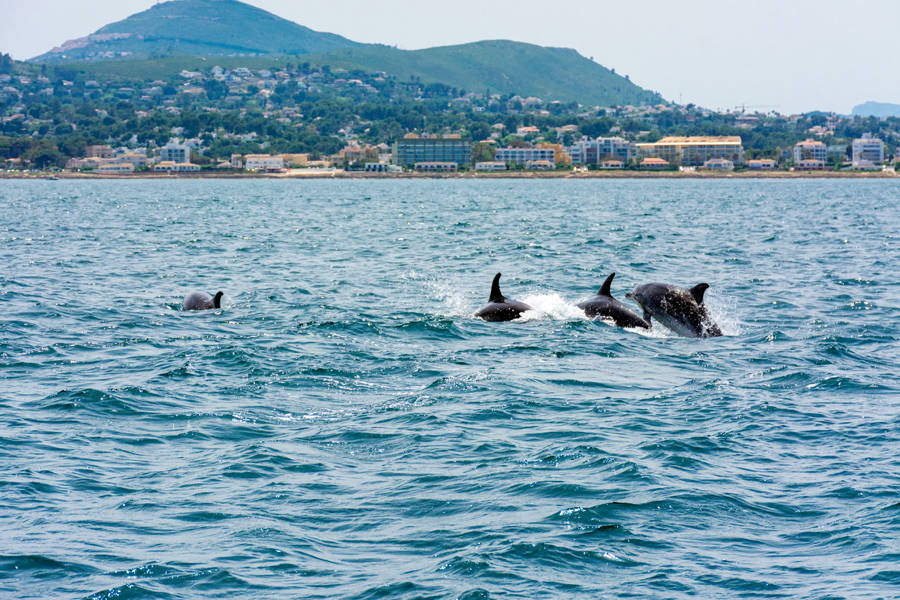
{"x": 786, "y": 55}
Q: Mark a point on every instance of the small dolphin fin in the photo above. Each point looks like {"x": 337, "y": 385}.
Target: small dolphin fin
{"x": 496, "y": 296}
{"x": 217, "y": 301}
{"x": 698, "y": 290}
{"x": 607, "y": 285}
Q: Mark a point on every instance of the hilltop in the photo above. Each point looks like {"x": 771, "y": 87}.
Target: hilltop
{"x": 184, "y": 34}
{"x": 876, "y": 109}
{"x": 199, "y": 28}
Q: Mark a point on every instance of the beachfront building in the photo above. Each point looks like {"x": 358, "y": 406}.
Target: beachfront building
{"x": 654, "y": 163}
{"x": 810, "y": 164}
{"x": 694, "y": 151}
{"x": 414, "y": 149}
{"x": 175, "y": 153}
{"x": 810, "y": 150}
{"x": 492, "y": 165}
{"x": 523, "y": 156}
{"x": 264, "y": 162}
{"x": 719, "y": 164}
{"x": 237, "y": 161}
{"x": 168, "y": 166}
{"x": 539, "y": 165}
{"x": 561, "y": 154}
{"x": 437, "y": 167}
{"x": 612, "y": 163}
{"x": 594, "y": 152}
{"x": 115, "y": 168}
{"x": 761, "y": 164}
{"x": 868, "y": 148}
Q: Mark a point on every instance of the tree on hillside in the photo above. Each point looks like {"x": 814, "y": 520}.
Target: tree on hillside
{"x": 6, "y": 63}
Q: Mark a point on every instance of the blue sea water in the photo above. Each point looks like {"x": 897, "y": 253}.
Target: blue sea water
{"x": 343, "y": 427}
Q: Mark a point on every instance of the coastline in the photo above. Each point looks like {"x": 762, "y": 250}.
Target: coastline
{"x": 337, "y": 174}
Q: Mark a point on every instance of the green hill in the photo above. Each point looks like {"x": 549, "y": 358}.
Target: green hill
{"x": 198, "y": 28}
{"x": 500, "y": 66}
{"x": 189, "y": 34}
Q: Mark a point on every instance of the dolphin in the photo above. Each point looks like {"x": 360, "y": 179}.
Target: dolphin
{"x": 604, "y": 305}
{"x": 202, "y": 301}
{"x": 679, "y": 309}
{"x": 499, "y": 308}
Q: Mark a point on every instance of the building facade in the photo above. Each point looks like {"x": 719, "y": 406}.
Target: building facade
{"x": 176, "y": 153}
{"x": 264, "y": 162}
{"x": 868, "y": 149}
{"x": 810, "y": 150}
{"x": 594, "y": 152}
{"x": 761, "y": 164}
{"x": 694, "y": 151}
{"x": 522, "y": 156}
{"x": 492, "y": 165}
{"x": 411, "y": 150}
{"x": 172, "y": 167}
{"x": 437, "y": 167}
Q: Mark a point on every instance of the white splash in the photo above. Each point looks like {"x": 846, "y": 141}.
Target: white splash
{"x": 722, "y": 310}
{"x": 551, "y": 307}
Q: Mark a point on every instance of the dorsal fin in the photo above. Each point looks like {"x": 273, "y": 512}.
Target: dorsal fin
{"x": 607, "y": 285}
{"x": 496, "y": 296}
{"x": 698, "y": 290}
{"x": 217, "y": 301}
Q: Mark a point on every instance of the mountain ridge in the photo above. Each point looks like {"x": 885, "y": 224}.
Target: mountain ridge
{"x": 230, "y": 28}
{"x": 876, "y": 109}
{"x": 197, "y": 27}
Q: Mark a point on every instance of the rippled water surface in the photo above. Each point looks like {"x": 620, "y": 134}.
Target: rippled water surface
{"x": 343, "y": 427}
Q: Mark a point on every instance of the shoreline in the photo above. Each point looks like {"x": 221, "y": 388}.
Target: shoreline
{"x": 299, "y": 174}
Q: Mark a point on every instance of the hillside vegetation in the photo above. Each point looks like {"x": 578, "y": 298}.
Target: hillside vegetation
{"x": 194, "y": 34}
{"x": 500, "y": 66}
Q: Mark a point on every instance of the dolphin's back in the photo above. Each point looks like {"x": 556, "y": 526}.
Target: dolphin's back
{"x": 197, "y": 301}
{"x": 677, "y": 309}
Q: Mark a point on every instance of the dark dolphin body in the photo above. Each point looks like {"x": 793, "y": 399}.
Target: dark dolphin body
{"x": 679, "y": 309}
{"x": 202, "y": 301}
{"x": 604, "y": 305}
{"x": 499, "y": 307}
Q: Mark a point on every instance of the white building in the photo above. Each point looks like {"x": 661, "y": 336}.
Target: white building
{"x": 594, "y": 152}
{"x": 525, "y": 155}
{"x": 810, "y": 150}
{"x": 115, "y": 168}
{"x": 264, "y": 162}
{"x": 176, "y": 153}
{"x": 761, "y": 164}
{"x": 868, "y": 148}
{"x": 719, "y": 164}
{"x": 173, "y": 167}
{"x": 493, "y": 165}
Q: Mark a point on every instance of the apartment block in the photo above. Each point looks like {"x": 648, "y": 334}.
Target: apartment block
{"x": 176, "y": 153}
{"x": 694, "y": 151}
{"x": 868, "y": 149}
{"x": 413, "y": 149}
{"x": 594, "y": 152}
{"x": 810, "y": 150}
{"x": 523, "y": 156}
